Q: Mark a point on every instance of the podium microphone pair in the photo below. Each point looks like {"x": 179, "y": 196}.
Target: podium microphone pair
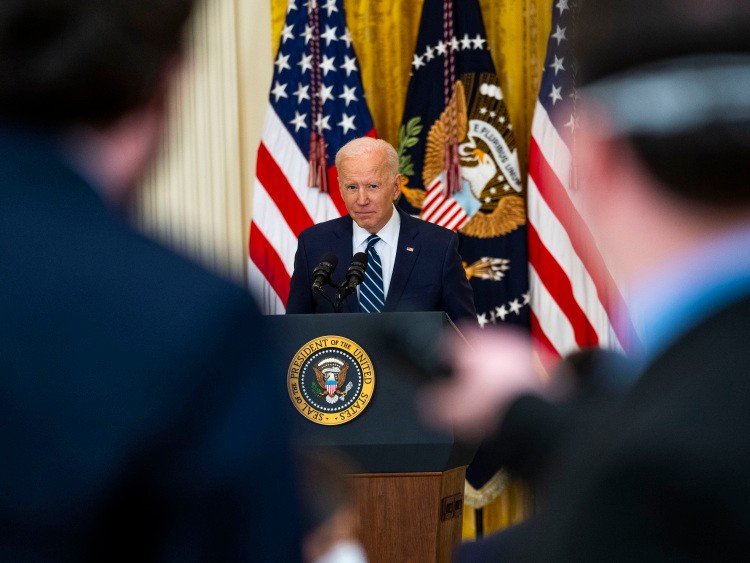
{"x": 355, "y": 274}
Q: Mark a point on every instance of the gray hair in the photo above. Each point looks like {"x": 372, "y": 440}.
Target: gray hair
{"x": 367, "y": 145}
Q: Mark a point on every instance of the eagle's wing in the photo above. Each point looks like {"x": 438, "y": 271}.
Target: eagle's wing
{"x": 341, "y": 376}
{"x": 434, "y": 158}
{"x": 320, "y": 377}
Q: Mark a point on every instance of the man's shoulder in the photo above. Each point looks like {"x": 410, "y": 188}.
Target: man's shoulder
{"x": 716, "y": 337}
{"x": 337, "y": 225}
{"x": 208, "y": 293}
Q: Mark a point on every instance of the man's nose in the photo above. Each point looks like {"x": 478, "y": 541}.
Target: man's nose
{"x": 362, "y": 196}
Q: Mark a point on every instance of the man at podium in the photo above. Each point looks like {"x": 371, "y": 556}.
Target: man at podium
{"x": 387, "y": 260}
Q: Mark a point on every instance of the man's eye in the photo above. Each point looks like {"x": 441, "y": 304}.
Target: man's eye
{"x": 373, "y": 187}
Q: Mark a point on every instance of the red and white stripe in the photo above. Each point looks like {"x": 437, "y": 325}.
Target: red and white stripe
{"x": 442, "y": 210}
{"x": 573, "y": 296}
{"x": 283, "y": 206}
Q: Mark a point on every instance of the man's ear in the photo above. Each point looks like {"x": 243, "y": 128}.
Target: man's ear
{"x": 397, "y": 187}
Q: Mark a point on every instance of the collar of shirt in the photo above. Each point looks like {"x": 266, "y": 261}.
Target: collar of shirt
{"x": 385, "y": 247}
{"x": 688, "y": 289}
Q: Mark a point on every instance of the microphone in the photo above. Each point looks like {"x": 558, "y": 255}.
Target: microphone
{"x": 355, "y": 274}
{"x": 322, "y": 273}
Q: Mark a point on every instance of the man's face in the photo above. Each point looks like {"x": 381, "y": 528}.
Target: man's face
{"x": 368, "y": 189}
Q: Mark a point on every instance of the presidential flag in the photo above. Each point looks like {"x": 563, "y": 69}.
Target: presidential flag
{"x": 573, "y": 295}
{"x": 316, "y": 105}
{"x": 458, "y": 157}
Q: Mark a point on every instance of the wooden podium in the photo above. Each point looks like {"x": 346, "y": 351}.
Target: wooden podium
{"x": 409, "y": 478}
{"x": 414, "y": 517}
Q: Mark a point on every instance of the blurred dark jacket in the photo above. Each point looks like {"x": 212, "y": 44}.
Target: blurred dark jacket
{"x": 652, "y": 472}
{"x": 139, "y": 410}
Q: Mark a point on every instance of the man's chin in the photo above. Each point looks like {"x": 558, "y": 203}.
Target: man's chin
{"x": 367, "y": 222}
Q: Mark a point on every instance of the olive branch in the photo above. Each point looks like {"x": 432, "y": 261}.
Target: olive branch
{"x": 408, "y": 136}
{"x": 316, "y": 388}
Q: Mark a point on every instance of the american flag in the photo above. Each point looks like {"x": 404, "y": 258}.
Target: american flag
{"x": 315, "y": 55}
{"x": 573, "y": 295}
{"x": 442, "y": 210}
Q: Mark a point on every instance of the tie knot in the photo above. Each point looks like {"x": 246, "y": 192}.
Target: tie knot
{"x": 372, "y": 241}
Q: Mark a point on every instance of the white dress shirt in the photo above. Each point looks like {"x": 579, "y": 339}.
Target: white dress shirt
{"x": 385, "y": 247}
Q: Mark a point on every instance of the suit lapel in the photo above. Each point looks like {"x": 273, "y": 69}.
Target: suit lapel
{"x": 407, "y": 251}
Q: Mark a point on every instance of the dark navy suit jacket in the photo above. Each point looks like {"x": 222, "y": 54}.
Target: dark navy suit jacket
{"x": 427, "y": 273}
{"x": 136, "y": 417}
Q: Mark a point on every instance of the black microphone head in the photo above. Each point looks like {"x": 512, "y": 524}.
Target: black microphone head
{"x": 327, "y": 265}
{"x": 357, "y": 268}
{"x": 355, "y": 275}
{"x": 331, "y": 259}
{"x": 322, "y": 272}
{"x": 361, "y": 258}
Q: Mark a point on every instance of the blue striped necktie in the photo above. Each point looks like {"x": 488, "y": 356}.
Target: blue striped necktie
{"x": 371, "y": 294}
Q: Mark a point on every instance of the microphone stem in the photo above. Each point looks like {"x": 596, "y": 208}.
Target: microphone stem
{"x": 342, "y": 292}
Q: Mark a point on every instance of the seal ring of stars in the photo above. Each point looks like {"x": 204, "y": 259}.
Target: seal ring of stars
{"x": 441, "y": 48}
{"x": 503, "y": 311}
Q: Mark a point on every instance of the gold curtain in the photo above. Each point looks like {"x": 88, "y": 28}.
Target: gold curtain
{"x": 384, "y": 34}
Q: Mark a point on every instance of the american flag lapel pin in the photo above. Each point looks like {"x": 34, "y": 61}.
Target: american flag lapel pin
{"x": 409, "y": 249}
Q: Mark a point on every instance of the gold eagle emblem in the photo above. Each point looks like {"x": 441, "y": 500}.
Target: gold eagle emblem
{"x": 324, "y": 379}
{"x": 486, "y": 144}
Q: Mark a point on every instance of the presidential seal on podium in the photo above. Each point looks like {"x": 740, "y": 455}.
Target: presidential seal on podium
{"x": 331, "y": 380}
